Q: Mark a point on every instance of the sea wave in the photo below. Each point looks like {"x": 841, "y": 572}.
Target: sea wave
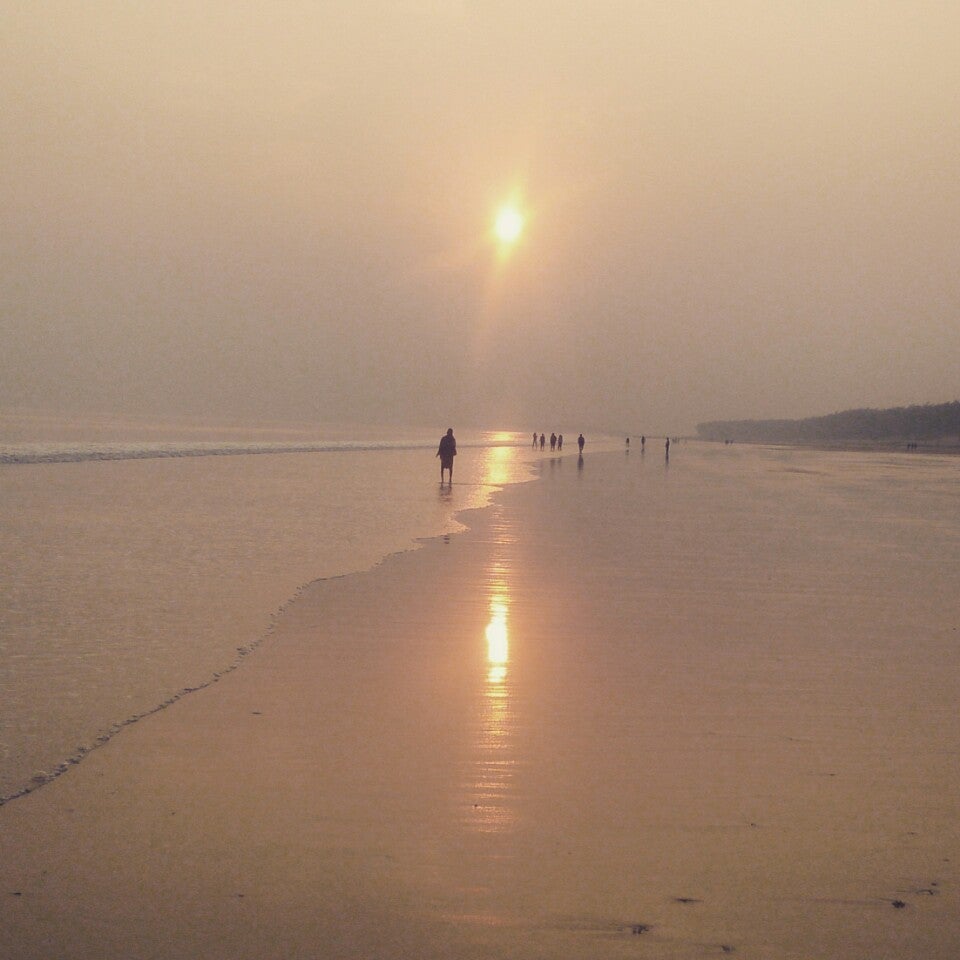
{"x": 58, "y": 452}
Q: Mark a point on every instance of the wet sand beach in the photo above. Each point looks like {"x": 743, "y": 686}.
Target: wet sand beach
{"x": 635, "y": 710}
{"x": 124, "y": 582}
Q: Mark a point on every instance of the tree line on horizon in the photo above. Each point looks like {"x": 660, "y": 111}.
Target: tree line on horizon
{"x": 925, "y": 422}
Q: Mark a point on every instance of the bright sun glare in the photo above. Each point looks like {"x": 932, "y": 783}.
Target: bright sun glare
{"x": 509, "y": 224}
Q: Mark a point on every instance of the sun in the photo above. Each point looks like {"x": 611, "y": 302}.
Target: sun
{"x": 509, "y": 224}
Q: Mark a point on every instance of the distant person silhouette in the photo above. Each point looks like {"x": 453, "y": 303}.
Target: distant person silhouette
{"x": 543, "y": 440}
{"x": 581, "y": 442}
{"x": 534, "y": 439}
{"x": 666, "y": 448}
{"x": 560, "y": 442}
{"x": 446, "y": 452}
{"x": 553, "y": 441}
{"x": 643, "y": 443}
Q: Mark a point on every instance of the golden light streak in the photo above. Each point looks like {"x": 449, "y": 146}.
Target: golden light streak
{"x": 498, "y": 643}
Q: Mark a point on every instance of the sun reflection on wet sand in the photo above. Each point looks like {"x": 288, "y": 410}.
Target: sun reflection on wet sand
{"x": 492, "y": 808}
{"x": 498, "y": 640}
{"x": 494, "y": 764}
{"x": 500, "y": 464}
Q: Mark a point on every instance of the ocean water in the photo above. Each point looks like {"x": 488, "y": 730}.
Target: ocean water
{"x": 141, "y": 561}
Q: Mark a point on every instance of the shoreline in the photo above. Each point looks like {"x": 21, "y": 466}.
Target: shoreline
{"x": 243, "y": 654}
{"x": 129, "y": 583}
{"x": 848, "y": 446}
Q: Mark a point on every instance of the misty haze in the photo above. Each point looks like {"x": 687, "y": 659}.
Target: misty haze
{"x": 745, "y": 210}
{"x": 665, "y": 665}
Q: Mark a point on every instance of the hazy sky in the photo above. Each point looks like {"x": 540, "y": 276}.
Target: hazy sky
{"x": 227, "y": 208}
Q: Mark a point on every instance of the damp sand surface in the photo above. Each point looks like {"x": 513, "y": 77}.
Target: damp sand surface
{"x": 126, "y": 581}
{"x": 635, "y": 710}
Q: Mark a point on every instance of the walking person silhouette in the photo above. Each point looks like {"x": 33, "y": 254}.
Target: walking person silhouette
{"x": 446, "y": 452}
